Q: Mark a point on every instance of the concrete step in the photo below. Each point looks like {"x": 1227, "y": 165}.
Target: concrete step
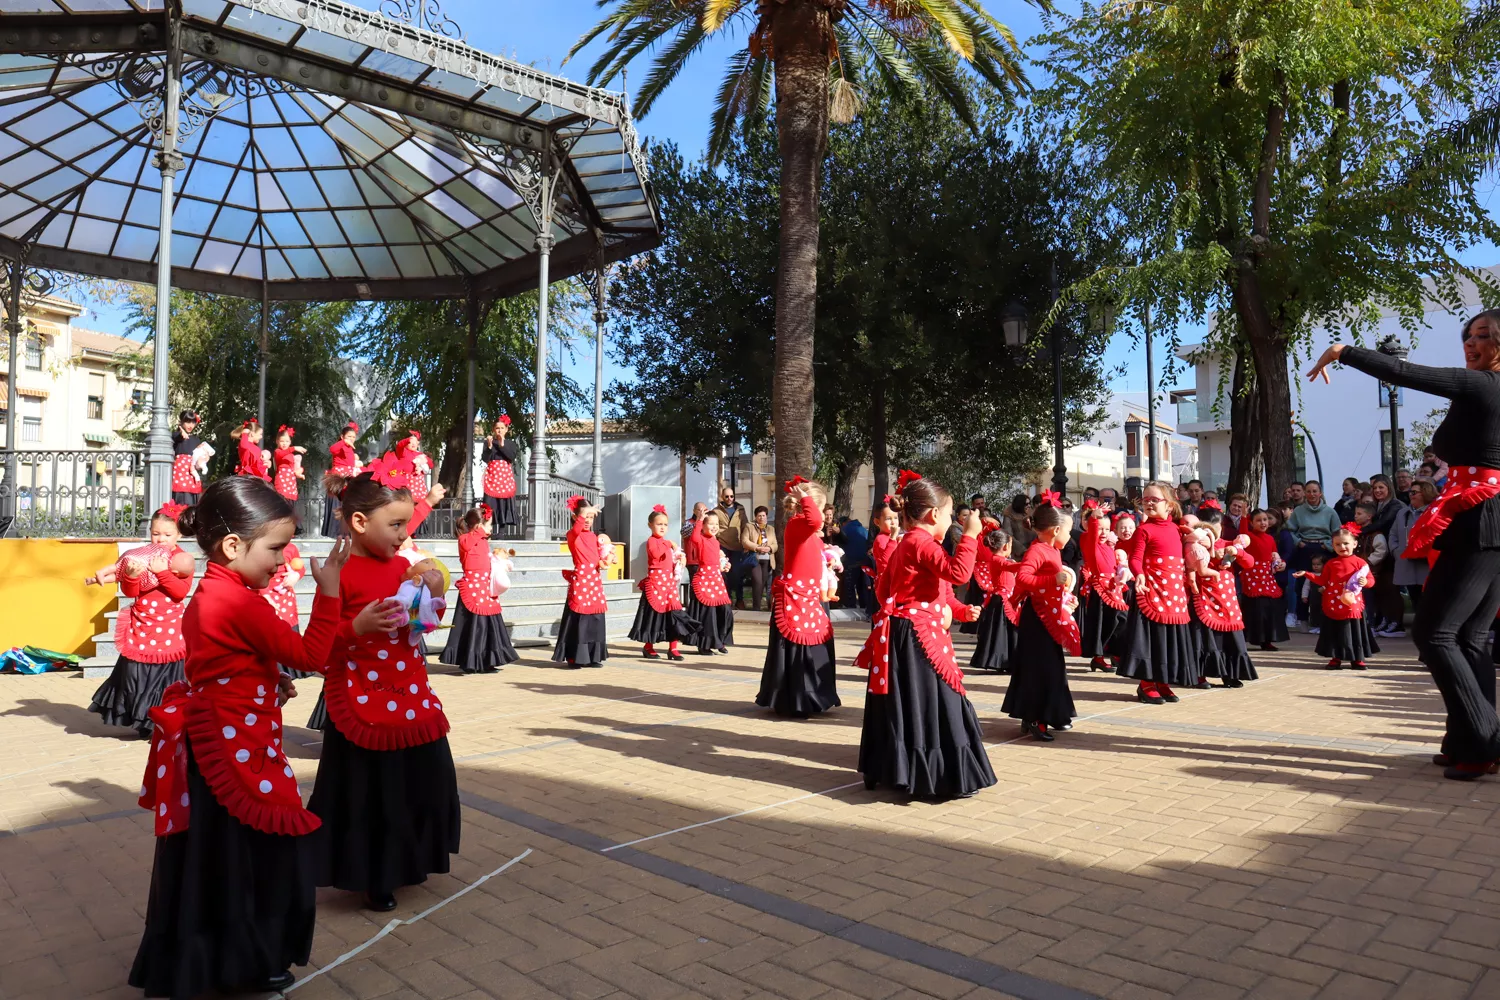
{"x": 535, "y": 594}
{"x": 318, "y": 546}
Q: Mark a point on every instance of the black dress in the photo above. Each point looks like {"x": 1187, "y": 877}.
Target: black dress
{"x": 652, "y": 627}
{"x": 581, "y": 639}
{"x": 715, "y": 624}
{"x": 477, "y": 643}
{"x": 922, "y": 737}
{"x": 1038, "y": 690}
{"x": 132, "y": 690}
{"x": 390, "y": 817}
{"x": 995, "y": 640}
{"x": 1097, "y": 625}
{"x": 1265, "y": 619}
{"x": 504, "y": 508}
{"x": 798, "y": 680}
{"x": 1347, "y": 639}
{"x": 1222, "y": 654}
{"x": 230, "y": 906}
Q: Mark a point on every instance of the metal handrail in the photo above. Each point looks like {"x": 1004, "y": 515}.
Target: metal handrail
{"x": 73, "y": 492}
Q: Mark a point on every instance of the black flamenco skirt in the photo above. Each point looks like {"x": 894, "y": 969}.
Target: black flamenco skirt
{"x": 797, "y": 680}
{"x": 506, "y": 513}
{"x": 994, "y": 641}
{"x": 1347, "y": 639}
{"x": 477, "y": 644}
{"x": 332, "y": 523}
{"x": 581, "y": 638}
{"x": 318, "y": 720}
{"x": 229, "y": 907}
{"x": 1152, "y": 651}
{"x": 923, "y": 737}
{"x": 1223, "y": 655}
{"x": 390, "y": 817}
{"x": 1098, "y": 625}
{"x": 132, "y": 690}
{"x": 1038, "y": 690}
{"x": 715, "y": 625}
{"x": 1265, "y": 620}
{"x": 652, "y": 626}
{"x": 186, "y": 499}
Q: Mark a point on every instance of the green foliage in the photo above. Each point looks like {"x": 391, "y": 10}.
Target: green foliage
{"x": 929, "y": 231}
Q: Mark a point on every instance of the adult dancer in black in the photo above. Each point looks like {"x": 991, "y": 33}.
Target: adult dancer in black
{"x": 1462, "y": 594}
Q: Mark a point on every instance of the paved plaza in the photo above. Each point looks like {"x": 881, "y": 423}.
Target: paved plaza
{"x": 1287, "y": 840}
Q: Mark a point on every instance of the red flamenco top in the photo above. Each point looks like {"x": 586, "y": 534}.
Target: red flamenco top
{"x": 376, "y": 689}
{"x": 474, "y": 586}
{"x": 1337, "y": 572}
{"x": 344, "y": 462}
{"x": 880, "y": 552}
{"x": 708, "y": 582}
{"x": 1157, "y": 554}
{"x": 281, "y": 592}
{"x": 228, "y": 709}
{"x": 286, "y": 472}
{"x": 660, "y": 585}
{"x": 252, "y": 460}
{"x": 919, "y": 584}
{"x": 1036, "y": 582}
{"x": 1003, "y": 570}
{"x": 1100, "y": 566}
{"x": 150, "y": 629}
{"x": 1259, "y": 578}
{"x": 585, "y": 585}
{"x": 1218, "y": 601}
{"x": 797, "y": 604}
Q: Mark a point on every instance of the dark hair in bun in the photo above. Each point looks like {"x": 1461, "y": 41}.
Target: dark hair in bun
{"x": 921, "y": 495}
{"x": 1047, "y": 516}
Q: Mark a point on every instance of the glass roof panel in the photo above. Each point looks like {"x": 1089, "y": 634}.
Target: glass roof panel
{"x": 135, "y": 243}
{"x": 300, "y": 190}
{"x": 259, "y": 23}
{"x": 269, "y": 194}
{"x": 145, "y": 208}
{"x": 284, "y": 229}
{"x": 360, "y": 227}
{"x": 218, "y": 257}
{"x": 210, "y": 9}
{"x": 277, "y": 269}
{"x": 376, "y": 262}
{"x": 233, "y": 224}
{"x": 248, "y": 265}
{"x": 331, "y": 46}
{"x": 185, "y": 248}
{"x": 342, "y": 263}
{"x": 394, "y": 65}
{"x": 92, "y": 235}
{"x": 305, "y": 263}
{"x": 412, "y": 261}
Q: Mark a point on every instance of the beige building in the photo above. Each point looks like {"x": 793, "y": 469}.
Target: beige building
{"x": 77, "y": 389}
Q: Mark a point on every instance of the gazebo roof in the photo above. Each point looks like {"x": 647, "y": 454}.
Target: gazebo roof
{"x": 334, "y": 151}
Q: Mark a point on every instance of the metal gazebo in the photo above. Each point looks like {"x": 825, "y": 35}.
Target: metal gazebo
{"x": 303, "y": 149}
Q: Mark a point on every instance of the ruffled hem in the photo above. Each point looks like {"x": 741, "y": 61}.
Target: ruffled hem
{"x": 133, "y": 689}
{"x": 926, "y": 774}
{"x": 652, "y": 625}
{"x": 213, "y": 763}
{"x": 478, "y": 643}
{"x": 369, "y": 736}
{"x": 798, "y": 680}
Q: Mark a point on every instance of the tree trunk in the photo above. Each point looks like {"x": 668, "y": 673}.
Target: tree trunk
{"x": 879, "y": 448}
{"x": 1273, "y": 386}
{"x": 845, "y": 473}
{"x": 1245, "y": 463}
{"x": 799, "y": 35}
{"x": 454, "y": 468}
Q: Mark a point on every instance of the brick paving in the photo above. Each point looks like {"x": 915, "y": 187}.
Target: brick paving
{"x": 1286, "y": 840}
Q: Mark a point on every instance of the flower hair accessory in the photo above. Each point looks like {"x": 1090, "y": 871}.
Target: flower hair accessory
{"x": 352, "y": 426}
{"x": 576, "y": 501}
{"x": 887, "y": 499}
{"x": 795, "y": 482}
{"x": 504, "y": 419}
{"x": 288, "y": 431}
{"x": 1051, "y": 498}
{"x": 1210, "y": 503}
{"x": 414, "y": 434}
{"x": 252, "y": 422}
{"x": 383, "y": 470}
{"x": 659, "y": 509}
{"x": 1352, "y": 528}
{"x": 1124, "y": 515}
{"x": 489, "y": 515}
{"x": 171, "y": 510}
{"x": 1091, "y": 503}
{"x": 906, "y": 477}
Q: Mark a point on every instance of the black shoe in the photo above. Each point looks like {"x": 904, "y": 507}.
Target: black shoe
{"x": 570, "y": 665}
{"x": 1037, "y": 732}
{"x": 1357, "y": 665}
{"x": 594, "y": 665}
{"x": 651, "y": 656}
{"x": 1442, "y": 760}
{"x": 276, "y": 983}
{"x": 1169, "y": 696}
{"x": 1148, "y": 697}
{"x": 144, "y": 732}
{"x": 1267, "y": 647}
{"x": 382, "y": 902}
{"x": 1201, "y": 685}
{"x": 676, "y": 656}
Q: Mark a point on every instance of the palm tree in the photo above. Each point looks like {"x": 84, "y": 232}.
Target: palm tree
{"x": 818, "y": 51}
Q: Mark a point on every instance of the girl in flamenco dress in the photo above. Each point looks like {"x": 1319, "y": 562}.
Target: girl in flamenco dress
{"x": 581, "y": 638}
{"x": 708, "y": 603}
{"x": 479, "y": 642}
{"x": 1038, "y": 694}
{"x": 660, "y": 616}
{"x": 797, "y": 679}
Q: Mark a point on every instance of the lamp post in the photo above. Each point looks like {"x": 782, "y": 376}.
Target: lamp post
{"x": 1015, "y": 327}
{"x": 1392, "y": 346}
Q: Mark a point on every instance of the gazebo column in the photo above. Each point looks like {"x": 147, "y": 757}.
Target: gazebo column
{"x": 13, "y": 323}
{"x": 265, "y": 344}
{"x": 169, "y": 161}
{"x": 596, "y": 475}
{"x": 471, "y": 354}
{"x": 538, "y": 525}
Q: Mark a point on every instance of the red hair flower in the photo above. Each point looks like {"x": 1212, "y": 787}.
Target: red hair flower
{"x": 576, "y": 501}
{"x": 1090, "y": 503}
{"x": 1051, "y": 498}
{"x": 352, "y": 426}
{"x": 414, "y": 434}
{"x": 489, "y": 515}
{"x": 1352, "y": 528}
{"x": 1210, "y": 503}
{"x": 288, "y": 431}
{"x": 171, "y": 510}
{"x": 504, "y": 419}
{"x": 384, "y": 471}
{"x": 886, "y": 499}
{"x": 795, "y": 482}
{"x": 252, "y": 422}
{"x": 904, "y": 477}
{"x": 659, "y": 509}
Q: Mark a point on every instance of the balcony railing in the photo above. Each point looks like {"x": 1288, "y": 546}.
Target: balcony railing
{"x": 1187, "y": 412}
{"x": 86, "y": 493}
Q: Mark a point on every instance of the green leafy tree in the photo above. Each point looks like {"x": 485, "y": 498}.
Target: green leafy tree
{"x": 819, "y": 53}
{"x": 1275, "y": 167}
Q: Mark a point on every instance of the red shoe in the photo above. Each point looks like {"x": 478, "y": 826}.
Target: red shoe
{"x": 1357, "y": 665}
{"x": 1470, "y": 772}
{"x": 1101, "y": 664}
{"x": 1166, "y": 692}
{"x": 1333, "y": 664}
{"x": 1146, "y": 692}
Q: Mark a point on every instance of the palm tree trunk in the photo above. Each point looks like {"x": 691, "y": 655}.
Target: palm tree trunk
{"x": 1246, "y": 465}
{"x": 799, "y": 37}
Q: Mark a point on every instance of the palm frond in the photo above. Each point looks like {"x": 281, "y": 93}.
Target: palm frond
{"x": 717, "y": 12}
{"x": 894, "y": 69}
{"x": 1478, "y": 24}
{"x": 940, "y": 69}
{"x": 946, "y": 17}
{"x": 690, "y": 37}
{"x": 1478, "y": 134}
{"x": 628, "y": 12}
{"x": 744, "y": 95}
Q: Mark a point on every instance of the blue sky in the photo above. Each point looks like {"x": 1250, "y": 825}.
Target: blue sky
{"x": 542, "y": 34}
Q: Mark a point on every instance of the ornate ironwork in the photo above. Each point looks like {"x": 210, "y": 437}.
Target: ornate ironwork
{"x": 77, "y": 493}
{"x": 207, "y": 90}
{"x": 424, "y": 14}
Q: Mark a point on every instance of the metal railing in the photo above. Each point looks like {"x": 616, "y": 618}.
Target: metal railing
{"x": 84, "y": 493}
{"x": 559, "y": 518}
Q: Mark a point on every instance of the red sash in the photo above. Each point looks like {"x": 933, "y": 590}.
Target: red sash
{"x": 1468, "y": 487}
{"x": 234, "y": 725}
{"x": 660, "y": 589}
{"x": 798, "y": 608}
{"x": 499, "y": 479}
{"x": 1218, "y": 603}
{"x": 982, "y": 574}
{"x": 1165, "y": 600}
{"x": 184, "y": 476}
{"x": 585, "y": 592}
{"x": 927, "y": 624}
{"x": 1049, "y": 605}
{"x": 475, "y": 593}
{"x": 708, "y": 587}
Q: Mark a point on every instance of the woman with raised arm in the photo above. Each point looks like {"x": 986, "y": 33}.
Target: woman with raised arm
{"x": 1460, "y": 534}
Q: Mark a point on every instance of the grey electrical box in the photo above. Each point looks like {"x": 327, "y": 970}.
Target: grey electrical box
{"x": 625, "y": 515}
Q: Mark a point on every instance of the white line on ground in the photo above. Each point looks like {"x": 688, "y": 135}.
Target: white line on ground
{"x": 398, "y": 923}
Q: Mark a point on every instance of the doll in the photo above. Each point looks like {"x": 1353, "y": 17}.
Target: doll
{"x": 606, "y": 551}
{"x": 424, "y": 608}
{"x": 501, "y": 567}
{"x": 134, "y": 565}
{"x": 833, "y": 565}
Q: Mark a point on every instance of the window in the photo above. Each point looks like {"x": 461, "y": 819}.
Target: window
{"x": 1385, "y": 448}
{"x": 1299, "y": 452}
{"x": 1132, "y": 449}
{"x": 31, "y": 421}
{"x": 34, "y": 353}
{"x": 96, "y": 396}
{"x": 1383, "y": 390}
{"x": 140, "y": 399}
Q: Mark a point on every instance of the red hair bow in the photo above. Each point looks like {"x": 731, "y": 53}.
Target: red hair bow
{"x": 288, "y": 431}
{"x": 171, "y": 510}
{"x": 252, "y": 422}
{"x": 886, "y": 499}
{"x": 504, "y": 419}
{"x": 905, "y": 477}
{"x": 659, "y": 509}
{"x": 1123, "y": 515}
{"x": 795, "y": 482}
{"x": 489, "y": 515}
{"x": 1210, "y": 503}
{"x": 352, "y": 426}
{"x": 576, "y": 501}
{"x": 1090, "y": 503}
{"x": 384, "y": 471}
{"x": 1352, "y": 528}
{"x": 1052, "y": 498}
{"x": 414, "y": 434}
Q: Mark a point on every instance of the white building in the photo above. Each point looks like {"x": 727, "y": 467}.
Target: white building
{"x": 1341, "y": 429}
{"x": 1124, "y": 438}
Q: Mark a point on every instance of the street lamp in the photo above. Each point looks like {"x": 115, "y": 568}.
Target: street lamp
{"x": 1015, "y": 327}
{"x": 1013, "y": 323}
{"x": 1391, "y": 345}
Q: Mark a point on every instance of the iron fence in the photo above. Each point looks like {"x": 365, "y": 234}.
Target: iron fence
{"x": 86, "y": 493}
